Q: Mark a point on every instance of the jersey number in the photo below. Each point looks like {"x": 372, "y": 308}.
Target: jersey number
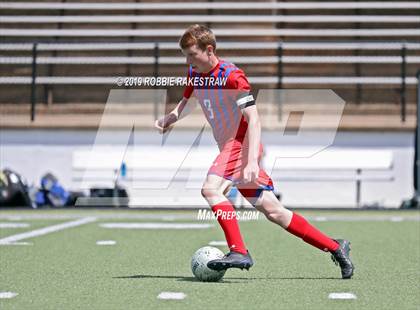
{"x": 207, "y": 103}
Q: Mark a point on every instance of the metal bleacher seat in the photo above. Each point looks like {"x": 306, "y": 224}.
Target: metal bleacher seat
{"x": 180, "y": 6}
{"x": 153, "y": 19}
{"x": 100, "y": 60}
{"x": 273, "y": 28}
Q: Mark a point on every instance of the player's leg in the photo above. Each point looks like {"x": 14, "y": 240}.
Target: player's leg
{"x": 215, "y": 188}
{"x": 293, "y": 222}
{"x": 213, "y": 191}
{"x": 268, "y": 204}
{"x": 297, "y": 225}
{"x": 260, "y": 195}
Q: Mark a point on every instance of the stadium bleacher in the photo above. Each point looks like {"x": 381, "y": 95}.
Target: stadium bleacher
{"x": 368, "y": 52}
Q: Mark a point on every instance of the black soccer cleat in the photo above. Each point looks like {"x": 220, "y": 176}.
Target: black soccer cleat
{"x": 341, "y": 257}
{"x": 231, "y": 260}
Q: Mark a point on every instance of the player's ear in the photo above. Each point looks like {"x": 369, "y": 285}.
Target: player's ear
{"x": 210, "y": 50}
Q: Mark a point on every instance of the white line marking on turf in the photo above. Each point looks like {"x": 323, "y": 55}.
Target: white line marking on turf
{"x": 172, "y": 295}
{"x": 156, "y": 225}
{"x": 106, "y": 242}
{"x": 168, "y": 218}
{"x": 320, "y": 219}
{"x": 14, "y": 218}
{"x": 18, "y": 243}
{"x": 6, "y": 295}
{"x": 217, "y": 243}
{"x": 45, "y": 230}
{"x": 98, "y": 215}
{"x": 193, "y": 216}
{"x": 342, "y": 296}
{"x": 396, "y": 219}
{"x": 13, "y": 225}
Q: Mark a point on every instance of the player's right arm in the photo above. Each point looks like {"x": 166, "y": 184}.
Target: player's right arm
{"x": 166, "y": 122}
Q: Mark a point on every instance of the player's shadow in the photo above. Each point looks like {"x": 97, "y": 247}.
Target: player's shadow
{"x": 178, "y": 278}
{"x": 225, "y": 279}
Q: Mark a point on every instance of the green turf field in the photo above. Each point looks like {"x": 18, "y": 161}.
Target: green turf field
{"x": 65, "y": 269}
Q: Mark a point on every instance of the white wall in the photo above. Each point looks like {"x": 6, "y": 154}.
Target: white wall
{"x": 33, "y": 153}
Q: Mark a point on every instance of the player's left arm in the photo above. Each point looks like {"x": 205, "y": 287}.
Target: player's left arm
{"x": 246, "y": 103}
{"x": 254, "y": 138}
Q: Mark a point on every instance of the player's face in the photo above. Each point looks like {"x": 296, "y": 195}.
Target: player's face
{"x": 199, "y": 59}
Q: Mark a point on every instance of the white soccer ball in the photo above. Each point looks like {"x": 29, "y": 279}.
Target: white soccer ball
{"x": 199, "y": 264}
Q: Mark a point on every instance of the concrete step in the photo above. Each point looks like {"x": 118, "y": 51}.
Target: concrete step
{"x": 263, "y": 108}
{"x": 348, "y": 122}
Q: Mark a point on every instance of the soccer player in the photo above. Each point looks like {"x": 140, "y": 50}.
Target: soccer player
{"x": 231, "y": 111}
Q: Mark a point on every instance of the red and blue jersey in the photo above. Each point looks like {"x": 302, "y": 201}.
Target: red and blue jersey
{"x": 222, "y": 106}
{"x": 222, "y": 102}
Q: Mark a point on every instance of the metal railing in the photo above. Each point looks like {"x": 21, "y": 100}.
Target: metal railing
{"x": 199, "y": 5}
{"x": 156, "y": 60}
{"x": 417, "y": 144}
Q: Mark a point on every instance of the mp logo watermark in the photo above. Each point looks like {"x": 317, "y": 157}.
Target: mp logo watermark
{"x": 169, "y": 169}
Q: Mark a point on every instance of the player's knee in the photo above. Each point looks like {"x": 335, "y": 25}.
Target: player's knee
{"x": 209, "y": 192}
{"x": 272, "y": 216}
{"x": 276, "y": 216}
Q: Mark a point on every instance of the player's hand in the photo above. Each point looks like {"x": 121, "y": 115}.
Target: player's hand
{"x": 166, "y": 122}
{"x": 251, "y": 172}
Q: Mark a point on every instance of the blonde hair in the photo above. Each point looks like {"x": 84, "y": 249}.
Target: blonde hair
{"x": 198, "y": 34}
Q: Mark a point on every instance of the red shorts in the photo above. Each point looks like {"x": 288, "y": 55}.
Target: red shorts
{"x": 230, "y": 163}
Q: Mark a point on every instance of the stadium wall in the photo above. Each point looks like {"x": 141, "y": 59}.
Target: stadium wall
{"x": 33, "y": 153}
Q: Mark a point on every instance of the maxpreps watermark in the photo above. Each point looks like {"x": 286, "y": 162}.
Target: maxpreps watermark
{"x": 163, "y": 81}
{"x": 207, "y": 215}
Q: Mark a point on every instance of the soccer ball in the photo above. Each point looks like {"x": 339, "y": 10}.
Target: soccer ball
{"x": 199, "y": 264}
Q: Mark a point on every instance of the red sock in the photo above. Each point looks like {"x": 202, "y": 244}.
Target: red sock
{"x": 226, "y": 216}
{"x": 308, "y": 233}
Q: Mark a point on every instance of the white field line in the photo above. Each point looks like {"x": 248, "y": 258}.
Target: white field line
{"x": 116, "y": 215}
{"x": 13, "y": 225}
{"x": 218, "y": 243}
{"x": 106, "y": 242}
{"x": 320, "y": 219}
{"x": 19, "y": 243}
{"x": 155, "y": 225}
{"x": 396, "y": 219}
{"x": 7, "y": 295}
{"x": 193, "y": 216}
{"x": 342, "y": 296}
{"x": 45, "y": 230}
{"x": 171, "y": 295}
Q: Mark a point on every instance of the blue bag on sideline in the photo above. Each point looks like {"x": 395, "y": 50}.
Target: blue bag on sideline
{"x": 54, "y": 193}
